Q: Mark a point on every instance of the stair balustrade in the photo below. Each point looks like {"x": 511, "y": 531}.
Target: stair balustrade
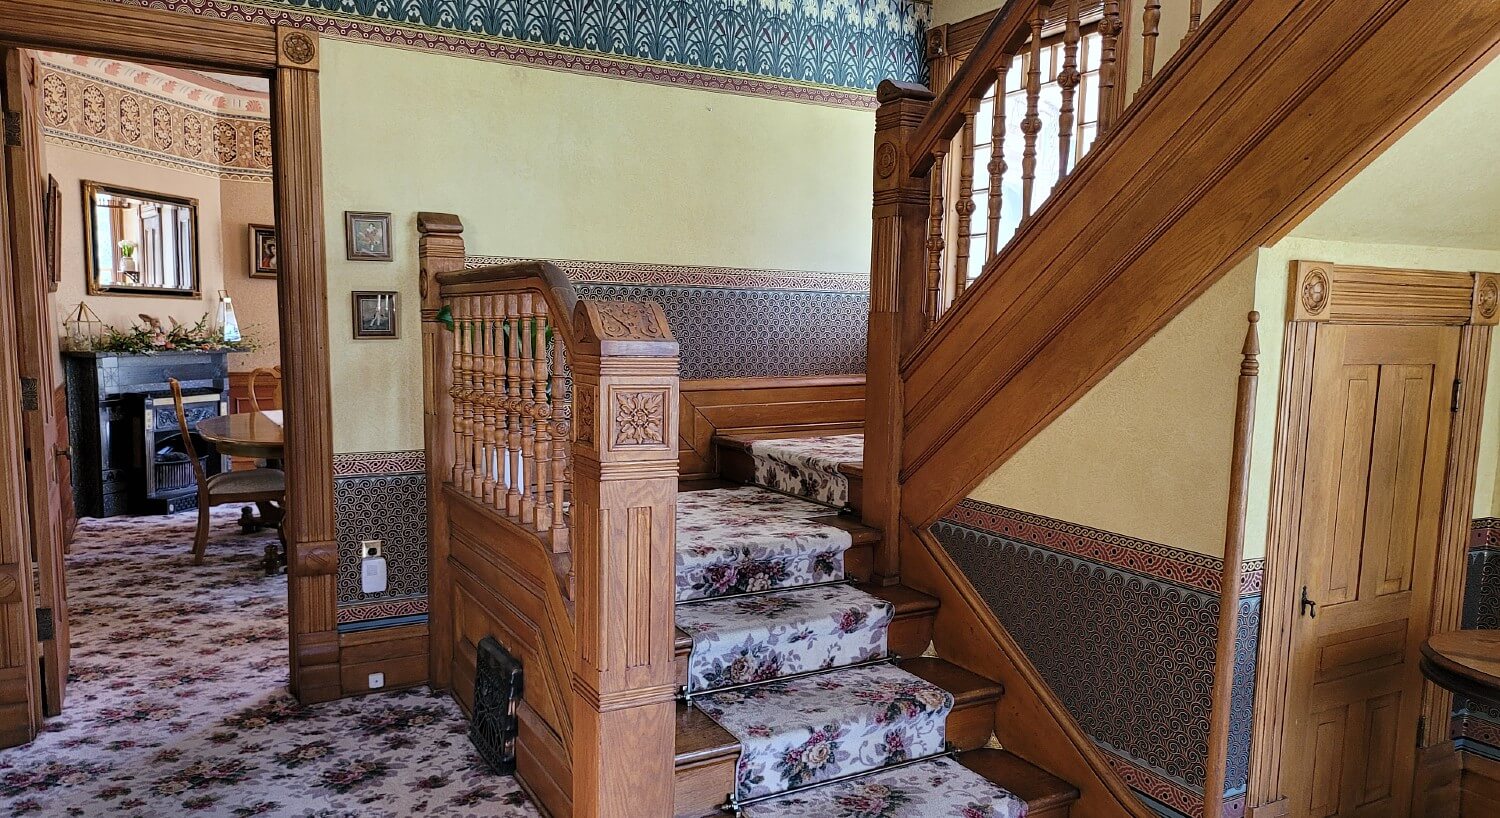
{"x": 551, "y": 428}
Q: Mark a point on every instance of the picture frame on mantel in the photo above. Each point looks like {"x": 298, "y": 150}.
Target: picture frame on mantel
{"x": 367, "y": 236}
{"x": 265, "y": 253}
{"x": 377, "y": 314}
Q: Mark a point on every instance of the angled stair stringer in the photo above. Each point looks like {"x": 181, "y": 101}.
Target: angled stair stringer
{"x": 1263, "y": 115}
{"x": 1029, "y": 720}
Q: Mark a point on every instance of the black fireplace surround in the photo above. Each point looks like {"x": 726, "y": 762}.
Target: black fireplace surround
{"x": 128, "y": 456}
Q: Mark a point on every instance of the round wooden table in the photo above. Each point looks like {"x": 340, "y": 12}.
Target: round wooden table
{"x": 256, "y": 435}
{"x": 1466, "y": 662}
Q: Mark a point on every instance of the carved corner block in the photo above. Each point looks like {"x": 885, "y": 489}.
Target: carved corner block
{"x": 1312, "y": 290}
{"x": 1486, "y": 309}
{"x": 626, "y": 328}
{"x": 296, "y": 48}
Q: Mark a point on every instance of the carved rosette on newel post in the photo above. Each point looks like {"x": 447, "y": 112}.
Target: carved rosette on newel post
{"x": 625, "y": 370}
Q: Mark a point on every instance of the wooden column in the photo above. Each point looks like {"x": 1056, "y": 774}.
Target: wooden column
{"x": 1216, "y": 768}
{"x": 624, "y": 513}
{"x": 898, "y": 260}
{"x": 313, "y": 556}
{"x": 441, "y": 250}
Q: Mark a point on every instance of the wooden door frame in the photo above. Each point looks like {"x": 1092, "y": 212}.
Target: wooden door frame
{"x": 289, "y": 57}
{"x": 1327, "y": 293}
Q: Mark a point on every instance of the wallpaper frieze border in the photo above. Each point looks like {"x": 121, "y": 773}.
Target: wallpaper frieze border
{"x": 350, "y": 614}
{"x": 535, "y": 55}
{"x": 371, "y": 464}
{"x": 1200, "y": 572}
{"x": 669, "y": 275}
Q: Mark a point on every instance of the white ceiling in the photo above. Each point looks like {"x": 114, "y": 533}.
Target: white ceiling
{"x": 1438, "y": 186}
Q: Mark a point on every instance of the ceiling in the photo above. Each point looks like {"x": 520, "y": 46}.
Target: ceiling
{"x": 1438, "y": 186}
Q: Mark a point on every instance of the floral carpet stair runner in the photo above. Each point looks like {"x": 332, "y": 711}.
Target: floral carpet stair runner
{"x": 808, "y": 466}
{"x": 785, "y": 658}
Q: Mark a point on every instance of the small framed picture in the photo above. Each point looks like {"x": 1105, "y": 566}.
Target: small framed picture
{"x": 367, "y": 236}
{"x": 376, "y": 314}
{"x": 264, "y": 262}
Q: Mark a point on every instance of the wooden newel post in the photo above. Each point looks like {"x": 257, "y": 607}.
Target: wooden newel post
{"x": 624, "y": 527}
{"x": 441, "y": 250}
{"x": 898, "y": 261}
{"x": 1217, "y": 764}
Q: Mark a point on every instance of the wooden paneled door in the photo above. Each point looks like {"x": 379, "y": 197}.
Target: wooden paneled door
{"x": 1372, "y": 498}
{"x": 36, "y": 344}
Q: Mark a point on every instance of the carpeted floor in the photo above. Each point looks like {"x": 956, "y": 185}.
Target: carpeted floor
{"x": 177, "y": 703}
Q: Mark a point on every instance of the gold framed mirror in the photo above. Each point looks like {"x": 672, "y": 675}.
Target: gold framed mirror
{"x": 139, "y": 243}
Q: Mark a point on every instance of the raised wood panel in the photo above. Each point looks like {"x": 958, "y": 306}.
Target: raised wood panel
{"x": 1195, "y": 176}
{"x": 400, "y": 653}
{"x": 762, "y": 407}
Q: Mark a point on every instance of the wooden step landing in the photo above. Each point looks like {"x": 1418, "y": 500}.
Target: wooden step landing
{"x": 707, "y": 753}
{"x": 732, "y": 454}
{"x": 1046, "y": 795}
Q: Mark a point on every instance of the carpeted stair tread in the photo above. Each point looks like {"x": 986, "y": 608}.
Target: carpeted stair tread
{"x": 747, "y": 639}
{"x": 940, "y": 788}
{"x": 751, "y": 539}
{"x": 808, "y": 466}
{"x": 816, "y": 728}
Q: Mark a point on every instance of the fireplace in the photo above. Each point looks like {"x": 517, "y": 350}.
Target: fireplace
{"x": 128, "y": 456}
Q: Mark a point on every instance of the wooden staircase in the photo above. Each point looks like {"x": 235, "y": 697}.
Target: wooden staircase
{"x": 706, "y": 753}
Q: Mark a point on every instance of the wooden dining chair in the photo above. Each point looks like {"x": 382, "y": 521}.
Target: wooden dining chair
{"x": 272, "y": 372}
{"x": 252, "y": 486}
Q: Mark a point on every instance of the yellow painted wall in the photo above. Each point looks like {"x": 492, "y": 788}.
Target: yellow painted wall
{"x": 240, "y": 205}
{"x": 1147, "y": 451}
{"x": 558, "y": 165}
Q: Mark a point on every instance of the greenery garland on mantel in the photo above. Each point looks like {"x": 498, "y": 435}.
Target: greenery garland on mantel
{"x": 151, "y": 337}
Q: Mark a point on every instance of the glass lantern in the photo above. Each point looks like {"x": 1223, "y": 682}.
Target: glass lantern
{"x": 82, "y": 329}
{"x": 229, "y": 325}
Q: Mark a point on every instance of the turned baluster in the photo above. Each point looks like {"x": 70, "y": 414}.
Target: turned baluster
{"x": 456, "y": 391}
{"x": 1109, "y": 46}
{"x": 1195, "y": 19}
{"x": 513, "y": 406}
{"x": 543, "y": 413}
{"x": 486, "y": 447}
{"x": 524, "y": 399}
{"x": 964, "y": 207}
{"x": 997, "y": 159}
{"x": 1032, "y": 124}
{"x": 1150, "y": 30}
{"x": 493, "y": 392}
{"x": 935, "y": 238}
{"x": 561, "y": 440}
{"x": 1067, "y": 81}
{"x": 472, "y": 417}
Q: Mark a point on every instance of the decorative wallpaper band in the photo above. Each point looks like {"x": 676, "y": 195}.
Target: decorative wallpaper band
{"x": 1485, "y": 534}
{"x": 369, "y": 464}
{"x": 98, "y": 113}
{"x": 734, "y": 278}
{"x": 825, "y": 52}
{"x": 382, "y": 609}
{"x": 1181, "y": 800}
{"x": 1200, "y": 572}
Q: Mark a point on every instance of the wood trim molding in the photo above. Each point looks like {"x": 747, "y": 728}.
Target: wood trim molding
{"x": 1343, "y": 294}
{"x": 161, "y": 37}
{"x": 831, "y": 404}
{"x": 1323, "y": 293}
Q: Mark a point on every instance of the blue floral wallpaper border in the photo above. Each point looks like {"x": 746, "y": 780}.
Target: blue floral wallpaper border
{"x": 830, "y": 52}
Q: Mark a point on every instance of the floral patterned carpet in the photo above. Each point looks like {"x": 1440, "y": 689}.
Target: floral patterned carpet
{"x": 808, "y": 466}
{"x": 177, "y": 701}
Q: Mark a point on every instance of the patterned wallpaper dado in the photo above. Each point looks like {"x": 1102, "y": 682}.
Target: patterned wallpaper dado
{"x": 381, "y": 495}
{"x": 1124, "y": 631}
{"x": 129, "y": 110}
{"x": 831, "y": 52}
{"x": 740, "y": 323}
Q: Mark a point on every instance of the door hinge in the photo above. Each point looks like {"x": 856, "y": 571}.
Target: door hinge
{"x": 46, "y": 629}
{"x": 13, "y": 129}
{"x": 1458, "y": 387}
{"x": 31, "y": 399}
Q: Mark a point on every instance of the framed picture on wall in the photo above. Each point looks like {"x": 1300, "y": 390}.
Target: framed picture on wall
{"x": 367, "y": 236}
{"x": 264, "y": 259}
{"x": 376, "y": 314}
{"x": 52, "y": 233}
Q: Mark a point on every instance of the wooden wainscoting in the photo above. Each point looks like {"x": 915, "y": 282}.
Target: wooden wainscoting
{"x": 832, "y": 404}
{"x": 266, "y": 392}
{"x": 1481, "y": 786}
{"x": 400, "y": 653}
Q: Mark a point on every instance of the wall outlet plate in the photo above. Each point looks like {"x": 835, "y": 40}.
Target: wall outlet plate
{"x": 377, "y": 680}
{"x": 370, "y": 548}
